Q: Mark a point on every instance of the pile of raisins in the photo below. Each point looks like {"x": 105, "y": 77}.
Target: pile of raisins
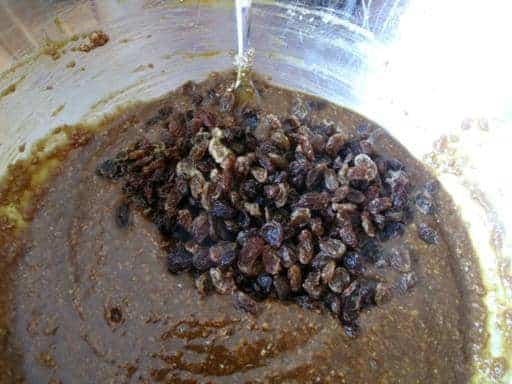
{"x": 260, "y": 206}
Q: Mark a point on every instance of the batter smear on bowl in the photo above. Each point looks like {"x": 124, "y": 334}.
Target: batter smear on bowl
{"x": 204, "y": 238}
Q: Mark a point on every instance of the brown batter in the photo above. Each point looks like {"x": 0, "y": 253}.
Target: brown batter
{"x": 90, "y": 302}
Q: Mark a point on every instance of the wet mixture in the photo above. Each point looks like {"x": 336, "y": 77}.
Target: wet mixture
{"x": 209, "y": 237}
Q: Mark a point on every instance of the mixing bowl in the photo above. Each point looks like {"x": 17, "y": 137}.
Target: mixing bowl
{"x": 434, "y": 74}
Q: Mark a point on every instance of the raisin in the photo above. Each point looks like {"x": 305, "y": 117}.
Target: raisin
{"x": 316, "y": 226}
{"x": 364, "y": 169}
{"x": 347, "y": 234}
{"x": 153, "y": 166}
{"x": 352, "y": 300}
{"x": 191, "y": 247}
{"x": 222, "y": 209}
{"x": 260, "y": 174}
{"x": 122, "y": 215}
{"x": 250, "y": 189}
{"x": 209, "y": 119}
{"x": 263, "y": 285}
{"x": 185, "y": 219}
{"x": 271, "y": 261}
{"x": 366, "y": 147}
{"x": 399, "y": 183}
{"x": 340, "y": 280}
{"x": 201, "y": 260}
{"x": 218, "y": 151}
{"x": 363, "y": 129}
{"x": 428, "y": 234}
{"x": 271, "y": 191}
{"x": 382, "y": 165}
{"x": 382, "y": 294}
{"x": 196, "y": 185}
{"x": 379, "y": 204}
{"x": 432, "y": 188}
{"x": 282, "y": 287}
{"x": 179, "y": 233}
{"x": 136, "y": 154}
{"x": 408, "y": 214}
{"x": 314, "y": 200}
{"x": 394, "y": 215}
{"x": 325, "y": 128}
{"x": 353, "y": 262}
{"x": 373, "y": 192}
{"x": 334, "y": 248}
{"x": 249, "y": 255}
{"x": 176, "y": 194}
{"x": 355, "y": 196}
{"x": 400, "y": 259}
{"x": 300, "y": 109}
{"x": 266, "y": 124}
{"x": 317, "y": 104}
{"x": 279, "y": 177}
{"x": 250, "y": 119}
{"x": 295, "y": 277}
{"x": 319, "y": 261}
{"x": 204, "y": 166}
{"x": 312, "y": 285}
{"x": 305, "y": 148}
{"x": 273, "y": 234}
{"x": 371, "y": 251}
{"x": 340, "y": 194}
{"x": 227, "y": 102}
{"x": 331, "y": 180}
{"x": 242, "y": 165}
{"x": 164, "y": 224}
{"x": 328, "y": 271}
{"x": 305, "y": 246}
{"x": 379, "y": 220}
{"x": 298, "y": 167}
{"x": 334, "y": 144}
{"x": 223, "y": 282}
{"x": 360, "y": 185}
{"x": 114, "y": 315}
{"x": 253, "y": 209}
{"x": 245, "y": 303}
{"x": 406, "y": 282}
{"x": 314, "y": 176}
{"x": 367, "y": 224}
{"x": 203, "y": 283}
{"x": 395, "y": 165}
{"x": 352, "y": 330}
{"x": 287, "y": 256}
{"x": 282, "y": 195}
{"x": 307, "y": 302}
{"x": 200, "y": 228}
{"x": 281, "y": 140}
{"x": 392, "y": 230}
{"x": 110, "y": 169}
{"x": 333, "y": 303}
{"x": 300, "y": 217}
{"x": 199, "y": 150}
{"x": 246, "y": 234}
{"x": 425, "y": 204}
{"x": 196, "y": 99}
{"x": 179, "y": 260}
{"x": 223, "y": 254}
